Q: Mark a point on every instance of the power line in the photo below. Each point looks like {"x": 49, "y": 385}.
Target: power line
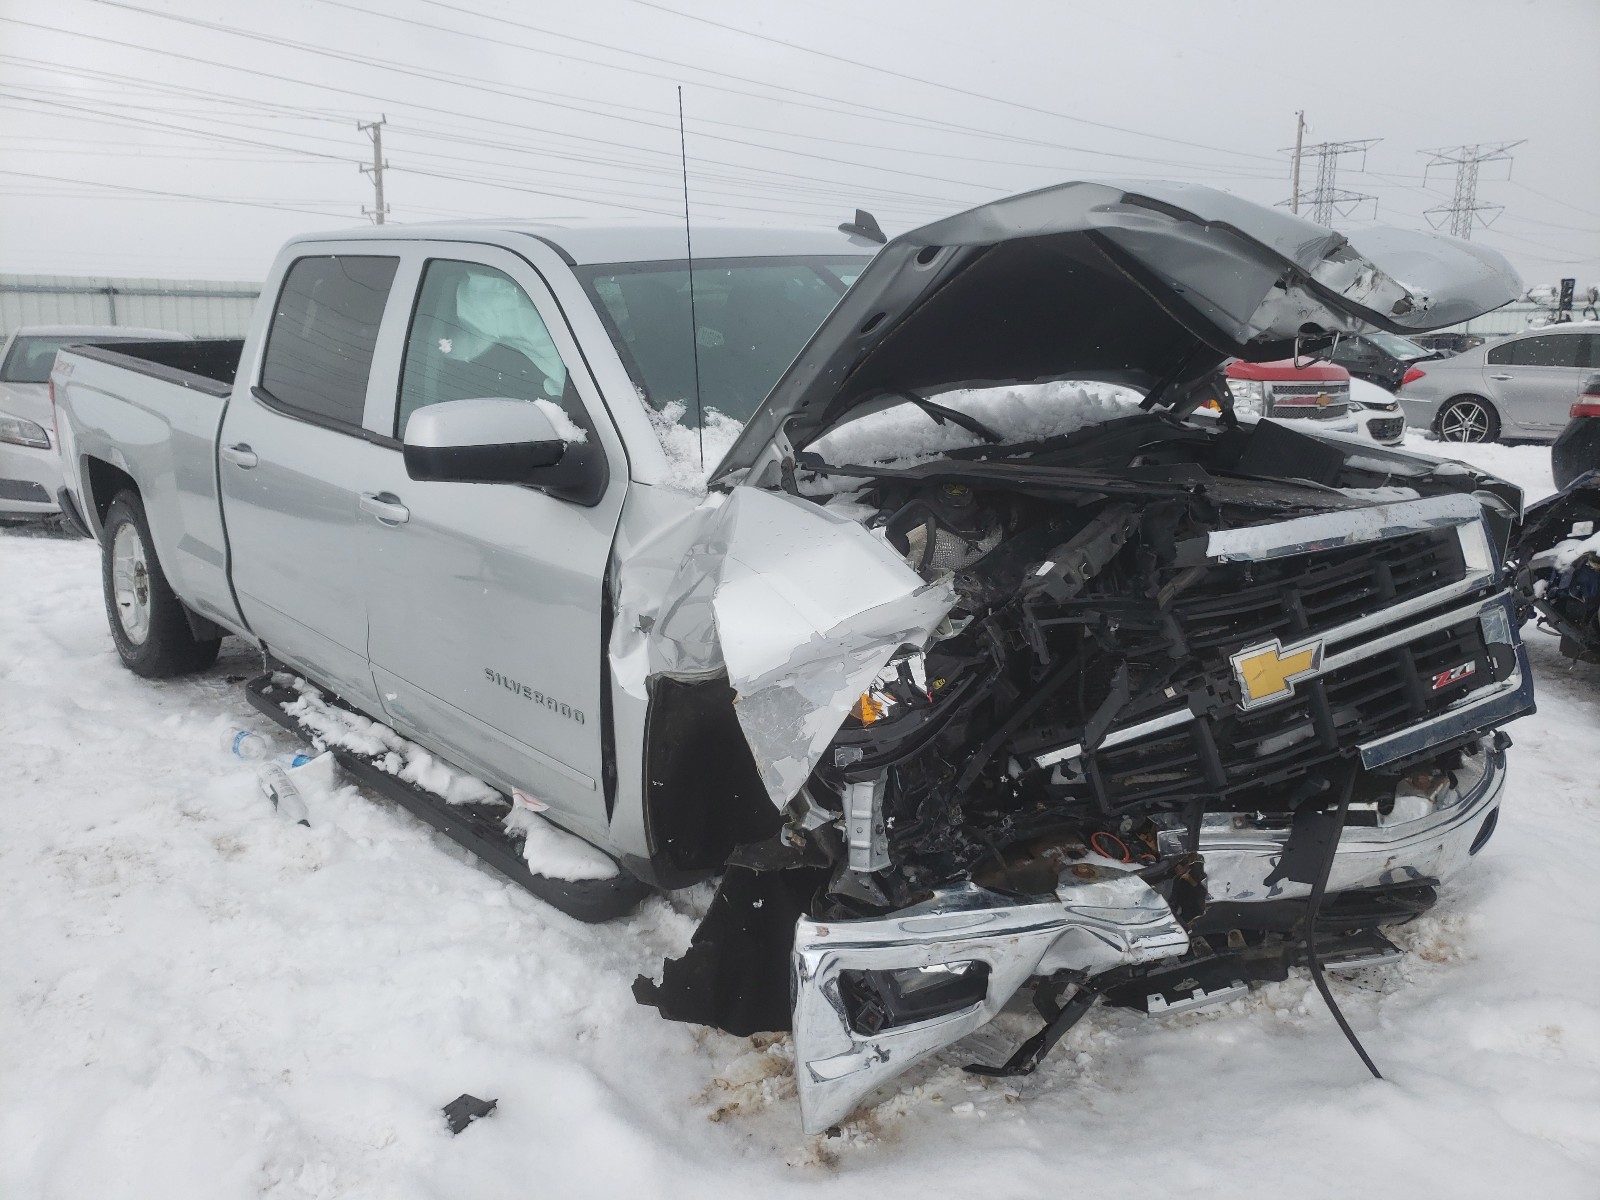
{"x": 1464, "y": 211}
{"x": 526, "y": 94}
{"x": 584, "y": 140}
{"x": 880, "y": 69}
{"x": 1588, "y": 212}
{"x": 122, "y": 187}
{"x": 920, "y": 123}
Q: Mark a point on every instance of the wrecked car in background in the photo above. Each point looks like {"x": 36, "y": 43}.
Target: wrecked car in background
{"x": 1127, "y": 702}
{"x": 1558, "y": 560}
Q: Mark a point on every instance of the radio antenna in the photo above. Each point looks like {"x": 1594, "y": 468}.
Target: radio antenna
{"x": 694, "y": 319}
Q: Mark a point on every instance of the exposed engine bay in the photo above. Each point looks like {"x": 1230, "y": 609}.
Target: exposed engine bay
{"x": 1179, "y": 661}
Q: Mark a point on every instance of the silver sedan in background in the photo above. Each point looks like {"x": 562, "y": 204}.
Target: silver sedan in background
{"x": 1517, "y": 388}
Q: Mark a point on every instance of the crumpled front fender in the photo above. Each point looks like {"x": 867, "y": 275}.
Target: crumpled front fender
{"x": 801, "y": 606}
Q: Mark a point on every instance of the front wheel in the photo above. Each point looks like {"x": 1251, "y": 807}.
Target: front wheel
{"x": 1468, "y": 419}
{"x": 147, "y": 621}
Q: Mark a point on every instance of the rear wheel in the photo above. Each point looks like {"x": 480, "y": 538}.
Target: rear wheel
{"x": 147, "y": 621}
{"x": 1468, "y": 419}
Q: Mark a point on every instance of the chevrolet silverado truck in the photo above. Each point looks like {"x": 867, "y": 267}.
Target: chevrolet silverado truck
{"x": 964, "y": 681}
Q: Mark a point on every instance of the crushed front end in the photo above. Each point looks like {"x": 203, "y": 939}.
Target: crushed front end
{"x": 1106, "y": 764}
{"x": 1133, "y": 707}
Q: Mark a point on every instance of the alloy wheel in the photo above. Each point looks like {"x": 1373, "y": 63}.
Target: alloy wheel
{"x": 1465, "y": 421}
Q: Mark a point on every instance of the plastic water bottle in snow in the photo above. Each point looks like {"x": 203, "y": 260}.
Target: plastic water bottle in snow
{"x": 247, "y": 744}
{"x": 283, "y": 793}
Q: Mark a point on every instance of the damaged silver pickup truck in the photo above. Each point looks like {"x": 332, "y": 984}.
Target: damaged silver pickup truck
{"x": 1136, "y": 709}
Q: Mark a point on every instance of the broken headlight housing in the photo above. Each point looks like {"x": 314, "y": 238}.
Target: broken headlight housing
{"x": 1249, "y": 397}
{"x": 903, "y": 680}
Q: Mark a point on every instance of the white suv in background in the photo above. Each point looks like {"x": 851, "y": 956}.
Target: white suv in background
{"x": 30, "y": 463}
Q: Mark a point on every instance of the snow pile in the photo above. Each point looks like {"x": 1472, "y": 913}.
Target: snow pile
{"x": 564, "y": 426}
{"x": 331, "y": 725}
{"x": 553, "y": 852}
{"x": 1526, "y": 466}
{"x": 203, "y": 1002}
{"x": 1020, "y": 413}
{"x": 904, "y": 434}
{"x": 687, "y": 468}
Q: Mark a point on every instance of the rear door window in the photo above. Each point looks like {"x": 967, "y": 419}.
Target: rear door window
{"x": 319, "y": 349}
{"x": 1547, "y": 350}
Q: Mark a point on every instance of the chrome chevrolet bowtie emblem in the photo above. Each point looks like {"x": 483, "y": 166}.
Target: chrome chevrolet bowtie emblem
{"x": 1268, "y": 672}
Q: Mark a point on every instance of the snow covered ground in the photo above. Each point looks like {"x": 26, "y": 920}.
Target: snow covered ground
{"x": 198, "y": 999}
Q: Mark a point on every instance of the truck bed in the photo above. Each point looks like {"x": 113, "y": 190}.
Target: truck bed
{"x": 147, "y": 415}
{"x": 207, "y": 366}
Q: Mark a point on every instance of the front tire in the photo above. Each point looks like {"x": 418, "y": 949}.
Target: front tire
{"x": 148, "y": 623}
{"x": 1468, "y": 419}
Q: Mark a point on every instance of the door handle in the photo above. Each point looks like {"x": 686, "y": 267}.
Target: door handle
{"x": 1501, "y": 378}
{"x": 240, "y": 455}
{"x": 386, "y": 507}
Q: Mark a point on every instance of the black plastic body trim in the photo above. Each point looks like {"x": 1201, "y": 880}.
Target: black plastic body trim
{"x": 129, "y": 358}
{"x": 268, "y": 400}
{"x": 71, "y": 515}
{"x": 474, "y": 826}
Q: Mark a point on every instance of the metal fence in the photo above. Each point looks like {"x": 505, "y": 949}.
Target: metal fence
{"x": 204, "y": 308}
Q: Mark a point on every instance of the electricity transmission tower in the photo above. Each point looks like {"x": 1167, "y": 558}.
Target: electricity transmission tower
{"x": 1463, "y": 210}
{"x": 374, "y": 130}
{"x": 1326, "y": 198}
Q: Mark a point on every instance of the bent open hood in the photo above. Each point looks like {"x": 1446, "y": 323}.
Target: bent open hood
{"x": 1151, "y": 285}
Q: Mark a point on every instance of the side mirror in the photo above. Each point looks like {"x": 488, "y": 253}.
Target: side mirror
{"x": 483, "y": 441}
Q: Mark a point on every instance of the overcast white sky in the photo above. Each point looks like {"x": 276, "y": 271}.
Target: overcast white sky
{"x": 124, "y": 124}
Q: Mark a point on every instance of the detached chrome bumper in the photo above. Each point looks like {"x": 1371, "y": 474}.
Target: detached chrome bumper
{"x": 1420, "y": 839}
{"x": 1104, "y": 919}
{"x": 1092, "y": 924}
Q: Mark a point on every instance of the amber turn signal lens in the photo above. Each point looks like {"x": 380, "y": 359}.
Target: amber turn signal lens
{"x": 869, "y": 708}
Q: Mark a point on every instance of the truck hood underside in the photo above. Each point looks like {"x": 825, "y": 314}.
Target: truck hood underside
{"x": 1150, "y": 285}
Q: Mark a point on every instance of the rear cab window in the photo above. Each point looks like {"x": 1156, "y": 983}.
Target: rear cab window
{"x": 324, "y": 328}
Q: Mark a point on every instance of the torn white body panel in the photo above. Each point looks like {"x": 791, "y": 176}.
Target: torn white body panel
{"x": 801, "y": 606}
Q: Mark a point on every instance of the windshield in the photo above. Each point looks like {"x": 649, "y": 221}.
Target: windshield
{"x": 1398, "y": 347}
{"x": 32, "y": 358}
{"x": 751, "y": 317}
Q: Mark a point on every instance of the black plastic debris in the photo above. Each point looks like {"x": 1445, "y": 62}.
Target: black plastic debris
{"x": 465, "y": 1109}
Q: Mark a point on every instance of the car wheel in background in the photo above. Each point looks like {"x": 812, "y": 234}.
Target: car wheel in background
{"x": 147, "y": 621}
{"x": 1468, "y": 419}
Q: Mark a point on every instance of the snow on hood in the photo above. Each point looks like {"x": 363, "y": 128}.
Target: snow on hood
{"x": 1150, "y": 285}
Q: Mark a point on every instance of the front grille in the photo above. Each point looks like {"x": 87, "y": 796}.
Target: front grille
{"x": 1254, "y": 760}
{"x": 1250, "y": 758}
{"x": 1304, "y": 401}
{"x": 1240, "y": 604}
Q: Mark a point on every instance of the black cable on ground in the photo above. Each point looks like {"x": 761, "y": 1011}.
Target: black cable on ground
{"x": 1314, "y": 907}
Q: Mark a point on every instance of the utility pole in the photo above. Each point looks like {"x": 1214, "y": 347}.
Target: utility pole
{"x": 1325, "y": 199}
{"x": 1294, "y": 171}
{"x": 1464, "y": 208}
{"x": 374, "y": 130}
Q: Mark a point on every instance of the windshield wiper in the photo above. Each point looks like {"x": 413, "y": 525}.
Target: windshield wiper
{"x": 941, "y": 414}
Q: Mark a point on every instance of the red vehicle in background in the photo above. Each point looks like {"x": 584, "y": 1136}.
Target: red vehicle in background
{"x": 1316, "y": 391}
